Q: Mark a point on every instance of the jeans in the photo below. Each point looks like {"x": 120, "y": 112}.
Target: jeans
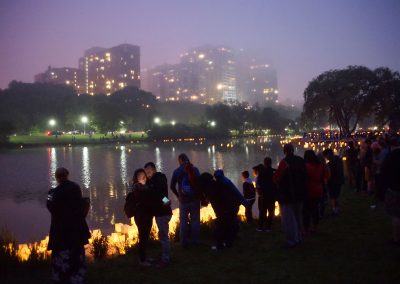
{"x": 265, "y": 204}
{"x": 311, "y": 212}
{"x": 163, "y": 231}
{"x": 226, "y": 229}
{"x": 290, "y": 222}
{"x": 143, "y": 222}
{"x": 249, "y": 211}
{"x": 189, "y": 218}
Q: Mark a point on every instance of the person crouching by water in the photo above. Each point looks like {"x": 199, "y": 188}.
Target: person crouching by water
{"x": 225, "y": 200}
{"x": 143, "y": 217}
{"x": 162, "y": 210}
{"x": 228, "y": 224}
{"x": 249, "y": 194}
{"x": 69, "y": 231}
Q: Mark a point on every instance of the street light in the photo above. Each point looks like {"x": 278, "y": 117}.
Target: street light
{"x": 157, "y": 120}
{"x": 84, "y": 120}
{"x": 173, "y": 122}
{"x": 52, "y": 122}
{"x": 213, "y": 123}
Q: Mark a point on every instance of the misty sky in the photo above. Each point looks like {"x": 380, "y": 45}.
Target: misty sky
{"x": 301, "y": 38}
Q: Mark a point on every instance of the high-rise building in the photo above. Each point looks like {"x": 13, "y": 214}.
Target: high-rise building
{"x": 163, "y": 81}
{"x": 262, "y": 84}
{"x": 66, "y": 75}
{"x": 207, "y": 75}
{"x": 108, "y": 70}
{"x": 256, "y": 79}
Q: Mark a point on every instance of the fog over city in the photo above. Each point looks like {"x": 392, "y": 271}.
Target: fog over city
{"x": 301, "y": 39}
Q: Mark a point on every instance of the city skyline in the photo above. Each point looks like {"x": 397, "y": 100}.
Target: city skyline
{"x": 300, "y": 38}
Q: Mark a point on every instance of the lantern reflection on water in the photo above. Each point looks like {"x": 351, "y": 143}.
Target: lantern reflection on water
{"x": 124, "y": 235}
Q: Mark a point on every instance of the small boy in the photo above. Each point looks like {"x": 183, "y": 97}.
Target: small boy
{"x": 249, "y": 194}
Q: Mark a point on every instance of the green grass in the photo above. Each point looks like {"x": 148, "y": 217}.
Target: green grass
{"x": 43, "y": 139}
{"x": 351, "y": 248}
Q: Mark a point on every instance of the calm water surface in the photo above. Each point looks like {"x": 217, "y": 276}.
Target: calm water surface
{"x": 103, "y": 172}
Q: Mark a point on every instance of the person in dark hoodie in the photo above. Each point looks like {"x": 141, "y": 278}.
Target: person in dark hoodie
{"x": 230, "y": 199}
{"x": 69, "y": 231}
{"x": 157, "y": 182}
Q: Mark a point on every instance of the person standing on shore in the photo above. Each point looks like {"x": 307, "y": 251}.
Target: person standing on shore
{"x": 316, "y": 175}
{"x": 249, "y": 194}
{"x": 157, "y": 181}
{"x": 353, "y": 166}
{"x": 145, "y": 204}
{"x": 336, "y": 179}
{"x": 391, "y": 185}
{"x": 69, "y": 231}
{"x": 290, "y": 179}
{"x": 189, "y": 200}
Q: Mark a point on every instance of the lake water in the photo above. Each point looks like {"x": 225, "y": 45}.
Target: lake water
{"x": 103, "y": 172}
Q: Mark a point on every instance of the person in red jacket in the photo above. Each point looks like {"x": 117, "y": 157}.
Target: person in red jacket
{"x": 315, "y": 176}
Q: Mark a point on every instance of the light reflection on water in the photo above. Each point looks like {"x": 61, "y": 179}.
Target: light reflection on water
{"x": 85, "y": 167}
{"x": 53, "y": 166}
{"x": 103, "y": 172}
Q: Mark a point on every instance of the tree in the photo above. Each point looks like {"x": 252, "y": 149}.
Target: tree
{"x": 386, "y": 96}
{"x": 106, "y": 117}
{"x": 339, "y": 96}
{"x": 6, "y": 129}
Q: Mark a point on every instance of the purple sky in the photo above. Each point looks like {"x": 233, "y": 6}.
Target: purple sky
{"x": 302, "y": 38}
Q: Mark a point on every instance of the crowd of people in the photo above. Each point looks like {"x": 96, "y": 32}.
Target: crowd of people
{"x": 300, "y": 185}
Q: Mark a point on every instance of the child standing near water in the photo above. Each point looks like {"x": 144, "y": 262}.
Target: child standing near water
{"x": 249, "y": 194}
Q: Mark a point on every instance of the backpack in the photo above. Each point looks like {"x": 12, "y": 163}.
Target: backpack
{"x": 188, "y": 181}
{"x": 130, "y": 205}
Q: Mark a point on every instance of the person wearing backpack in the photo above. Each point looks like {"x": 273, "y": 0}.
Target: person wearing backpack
{"x": 290, "y": 178}
{"x": 185, "y": 177}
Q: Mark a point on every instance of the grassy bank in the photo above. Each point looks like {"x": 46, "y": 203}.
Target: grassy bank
{"x": 351, "y": 248}
{"x": 38, "y": 139}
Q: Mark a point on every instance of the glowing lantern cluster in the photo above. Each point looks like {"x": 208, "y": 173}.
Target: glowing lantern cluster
{"x": 124, "y": 235}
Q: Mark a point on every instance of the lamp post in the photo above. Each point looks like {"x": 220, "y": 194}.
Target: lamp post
{"x": 52, "y": 122}
{"x": 84, "y": 120}
{"x": 157, "y": 120}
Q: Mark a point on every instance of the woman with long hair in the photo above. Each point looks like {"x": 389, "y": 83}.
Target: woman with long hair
{"x": 315, "y": 176}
